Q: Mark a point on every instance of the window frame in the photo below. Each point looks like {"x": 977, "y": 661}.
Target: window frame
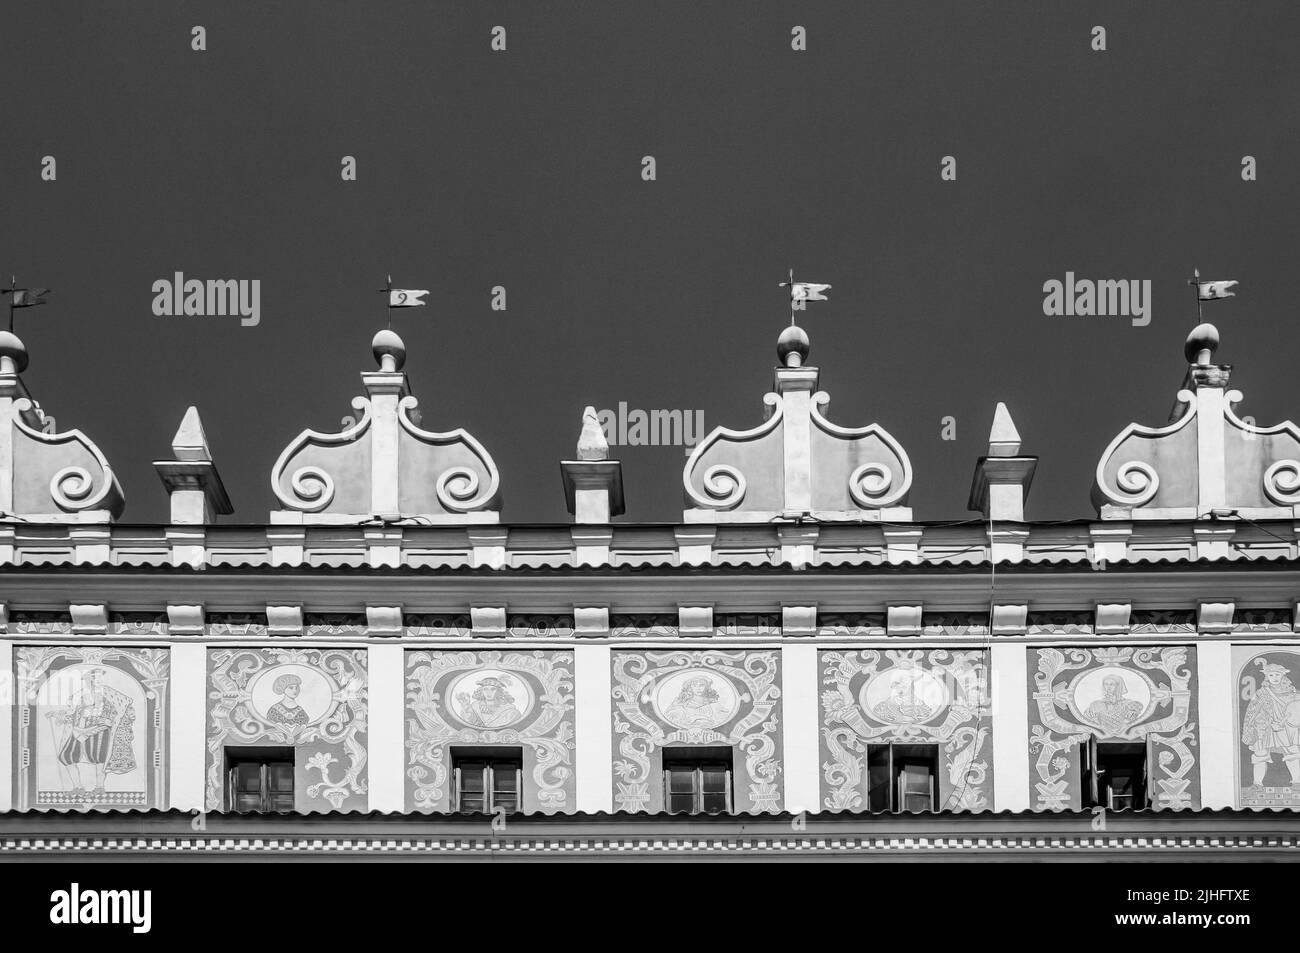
{"x": 896, "y": 796}
{"x": 490, "y": 761}
{"x": 1094, "y": 783}
{"x": 265, "y": 758}
{"x": 694, "y": 762}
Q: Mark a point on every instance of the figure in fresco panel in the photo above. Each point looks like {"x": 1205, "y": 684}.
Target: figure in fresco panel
{"x": 1272, "y": 724}
{"x": 490, "y": 705}
{"x": 94, "y": 735}
{"x": 287, "y": 711}
{"x": 902, "y": 707}
{"x": 1113, "y": 711}
{"x": 696, "y": 705}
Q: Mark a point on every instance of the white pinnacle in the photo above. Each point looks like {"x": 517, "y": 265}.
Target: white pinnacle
{"x": 592, "y": 444}
{"x": 1004, "y": 439}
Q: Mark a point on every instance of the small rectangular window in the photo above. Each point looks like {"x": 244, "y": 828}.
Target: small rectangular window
{"x": 697, "y": 780}
{"x": 1114, "y": 774}
{"x": 902, "y": 777}
{"x": 259, "y": 779}
{"x": 487, "y": 780}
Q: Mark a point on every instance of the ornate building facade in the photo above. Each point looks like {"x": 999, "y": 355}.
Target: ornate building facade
{"x": 799, "y": 665}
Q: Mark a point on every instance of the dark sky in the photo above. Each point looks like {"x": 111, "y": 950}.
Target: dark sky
{"x": 522, "y": 169}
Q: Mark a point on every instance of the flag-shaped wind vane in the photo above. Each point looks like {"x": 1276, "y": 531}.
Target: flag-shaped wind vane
{"x": 801, "y": 291}
{"x": 1210, "y": 290}
{"x": 22, "y": 298}
{"x": 403, "y": 297}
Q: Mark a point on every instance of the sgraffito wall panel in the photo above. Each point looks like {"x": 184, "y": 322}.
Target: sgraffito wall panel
{"x": 1118, "y": 695}
{"x": 90, "y": 728}
{"x": 476, "y": 699}
{"x": 1267, "y": 727}
{"x": 312, "y": 700}
{"x": 711, "y": 698}
{"x": 906, "y": 697}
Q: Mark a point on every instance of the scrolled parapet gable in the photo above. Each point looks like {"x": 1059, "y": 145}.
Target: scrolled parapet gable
{"x": 1207, "y": 460}
{"x": 383, "y": 464}
{"x": 46, "y": 474}
{"x": 797, "y": 462}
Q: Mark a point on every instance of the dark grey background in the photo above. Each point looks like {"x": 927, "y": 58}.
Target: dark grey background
{"x": 523, "y": 169}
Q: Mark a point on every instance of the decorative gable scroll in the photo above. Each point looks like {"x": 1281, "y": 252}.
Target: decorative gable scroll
{"x": 1207, "y": 460}
{"x": 45, "y": 475}
{"x": 797, "y": 463}
{"x": 384, "y": 466}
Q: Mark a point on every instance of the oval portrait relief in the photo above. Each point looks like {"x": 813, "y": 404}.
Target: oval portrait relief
{"x": 904, "y": 696}
{"x": 1111, "y": 698}
{"x": 696, "y": 698}
{"x": 291, "y": 696}
{"x": 490, "y": 698}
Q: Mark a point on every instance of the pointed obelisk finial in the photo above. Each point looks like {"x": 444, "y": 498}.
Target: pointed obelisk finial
{"x": 190, "y": 442}
{"x": 193, "y": 484}
{"x": 592, "y": 444}
{"x": 1004, "y": 438}
{"x": 1001, "y": 484}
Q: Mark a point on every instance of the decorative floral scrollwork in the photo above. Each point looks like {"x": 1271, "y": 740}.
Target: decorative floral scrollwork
{"x": 531, "y": 705}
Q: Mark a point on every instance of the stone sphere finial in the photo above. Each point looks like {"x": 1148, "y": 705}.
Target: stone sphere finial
{"x": 13, "y": 352}
{"x": 389, "y": 350}
{"x": 792, "y": 347}
{"x": 1201, "y": 344}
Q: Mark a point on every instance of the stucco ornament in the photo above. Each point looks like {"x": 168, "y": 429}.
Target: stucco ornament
{"x": 1116, "y": 695}
{"x": 314, "y": 700}
{"x": 906, "y": 697}
{"x": 797, "y": 461}
{"x": 696, "y": 698}
{"x": 1205, "y": 458}
{"x": 520, "y": 699}
{"x": 54, "y": 476}
{"x": 383, "y": 463}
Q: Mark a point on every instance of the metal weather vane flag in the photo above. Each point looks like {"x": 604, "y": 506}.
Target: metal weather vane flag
{"x": 22, "y": 298}
{"x": 801, "y": 291}
{"x": 1210, "y": 290}
{"x": 403, "y": 297}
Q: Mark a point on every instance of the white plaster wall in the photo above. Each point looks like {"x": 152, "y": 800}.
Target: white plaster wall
{"x": 386, "y": 734}
{"x": 1010, "y": 697}
{"x": 594, "y": 733}
{"x": 1215, "y": 687}
{"x": 799, "y": 700}
{"x": 187, "y": 728}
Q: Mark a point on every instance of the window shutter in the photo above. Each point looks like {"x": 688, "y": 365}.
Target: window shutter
{"x": 1089, "y": 763}
{"x": 455, "y": 789}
